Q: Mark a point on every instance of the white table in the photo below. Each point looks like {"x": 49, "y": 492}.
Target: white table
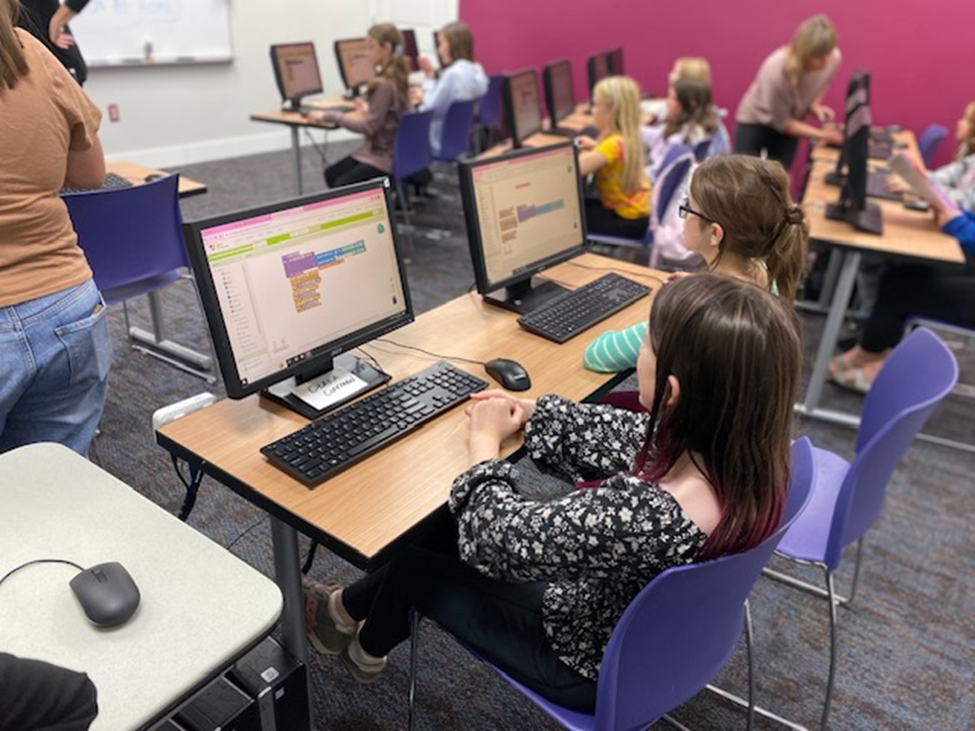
{"x": 201, "y": 607}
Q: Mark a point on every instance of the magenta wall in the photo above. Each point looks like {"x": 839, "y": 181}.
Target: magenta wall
{"x": 921, "y": 54}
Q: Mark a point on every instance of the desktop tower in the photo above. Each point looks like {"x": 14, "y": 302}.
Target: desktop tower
{"x": 278, "y": 683}
{"x": 220, "y": 706}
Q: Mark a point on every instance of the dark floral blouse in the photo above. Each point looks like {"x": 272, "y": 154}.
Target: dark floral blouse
{"x": 596, "y": 547}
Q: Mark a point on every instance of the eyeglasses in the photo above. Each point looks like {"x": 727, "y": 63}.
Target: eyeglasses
{"x": 684, "y": 209}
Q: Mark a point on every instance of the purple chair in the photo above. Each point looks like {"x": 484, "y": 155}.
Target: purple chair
{"x": 455, "y": 141}
{"x": 133, "y": 240}
{"x": 929, "y": 140}
{"x": 489, "y": 113}
{"x": 847, "y": 497}
{"x": 411, "y": 154}
{"x": 692, "y": 615}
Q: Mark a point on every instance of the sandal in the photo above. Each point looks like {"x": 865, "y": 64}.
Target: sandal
{"x": 851, "y": 378}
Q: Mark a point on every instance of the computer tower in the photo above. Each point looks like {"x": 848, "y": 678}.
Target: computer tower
{"x": 167, "y": 725}
{"x": 220, "y": 706}
{"x": 278, "y": 683}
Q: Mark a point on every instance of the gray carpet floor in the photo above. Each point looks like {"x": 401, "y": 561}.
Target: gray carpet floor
{"x": 906, "y": 646}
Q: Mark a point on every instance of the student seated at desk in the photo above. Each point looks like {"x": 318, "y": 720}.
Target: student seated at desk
{"x": 55, "y": 347}
{"x": 537, "y": 586}
{"x": 740, "y": 219}
{"x": 616, "y": 159}
{"x": 387, "y": 98}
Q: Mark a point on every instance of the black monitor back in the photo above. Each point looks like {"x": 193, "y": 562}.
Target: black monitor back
{"x": 559, "y": 92}
{"x": 522, "y": 105}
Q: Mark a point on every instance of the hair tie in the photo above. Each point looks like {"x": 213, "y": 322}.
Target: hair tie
{"x": 794, "y": 216}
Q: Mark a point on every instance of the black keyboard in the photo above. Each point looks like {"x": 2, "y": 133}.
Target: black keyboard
{"x": 113, "y": 181}
{"x": 877, "y": 186}
{"x": 304, "y": 111}
{"x": 567, "y": 315}
{"x": 334, "y": 442}
{"x": 567, "y": 132}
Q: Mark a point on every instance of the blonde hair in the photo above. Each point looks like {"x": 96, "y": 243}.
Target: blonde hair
{"x": 397, "y": 68}
{"x": 13, "y": 65}
{"x": 815, "y": 38}
{"x": 620, "y": 96}
{"x": 967, "y": 147}
{"x": 690, "y": 67}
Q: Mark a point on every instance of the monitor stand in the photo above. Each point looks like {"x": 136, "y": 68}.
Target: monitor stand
{"x": 870, "y": 219}
{"x": 345, "y": 378}
{"x": 525, "y": 296}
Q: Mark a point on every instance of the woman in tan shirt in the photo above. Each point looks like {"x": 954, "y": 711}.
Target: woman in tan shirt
{"x": 789, "y": 86}
{"x": 55, "y": 349}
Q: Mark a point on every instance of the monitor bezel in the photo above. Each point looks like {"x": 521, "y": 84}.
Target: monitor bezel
{"x": 591, "y": 79}
{"x": 550, "y": 94}
{"x": 474, "y": 239}
{"x": 338, "y": 58}
{"x": 236, "y": 389}
{"x": 509, "y": 106}
{"x": 277, "y": 71}
{"x": 411, "y": 50}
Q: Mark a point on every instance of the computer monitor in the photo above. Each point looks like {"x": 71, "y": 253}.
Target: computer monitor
{"x": 355, "y": 63}
{"x": 296, "y": 71}
{"x": 525, "y": 213}
{"x": 559, "y": 95}
{"x": 615, "y": 60}
{"x": 597, "y": 69}
{"x": 853, "y": 205}
{"x": 289, "y": 288}
{"x": 410, "y": 50}
{"x": 522, "y": 105}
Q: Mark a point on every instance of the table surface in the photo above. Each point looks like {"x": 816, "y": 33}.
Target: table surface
{"x": 294, "y": 119}
{"x": 136, "y": 174}
{"x": 201, "y": 607}
{"x": 366, "y": 509}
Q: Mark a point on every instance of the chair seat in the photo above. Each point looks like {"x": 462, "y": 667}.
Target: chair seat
{"x": 142, "y": 286}
{"x": 806, "y": 539}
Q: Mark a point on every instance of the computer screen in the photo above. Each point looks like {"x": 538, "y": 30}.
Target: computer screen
{"x": 296, "y": 71}
{"x": 853, "y": 205}
{"x": 523, "y": 106}
{"x": 615, "y": 61}
{"x": 597, "y": 69}
{"x": 559, "y": 94}
{"x": 290, "y": 287}
{"x": 355, "y": 62}
{"x": 410, "y": 49}
{"x": 524, "y": 213}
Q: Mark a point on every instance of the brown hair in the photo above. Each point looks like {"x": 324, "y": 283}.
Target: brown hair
{"x": 749, "y": 198}
{"x": 967, "y": 147}
{"x": 694, "y": 97}
{"x": 459, "y": 40}
{"x": 737, "y": 353}
{"x": 13, "y": 65}
{"x": 397, "y": 68}
{"x": 816, "y": 37}
{"x": 620, "y": 95}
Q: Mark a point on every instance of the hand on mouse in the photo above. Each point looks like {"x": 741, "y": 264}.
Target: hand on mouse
{"x": 492, "y": 421}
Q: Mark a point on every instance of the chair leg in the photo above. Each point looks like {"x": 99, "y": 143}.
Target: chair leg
{"x": 751, "y": 667}
{"x": 804, "y": 585}
{"x": 832, "y": 648}
{"x": 414, "y": 640}
{"x": 856, "y": 571}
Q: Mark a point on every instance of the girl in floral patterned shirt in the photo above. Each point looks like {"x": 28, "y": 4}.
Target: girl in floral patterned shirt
{"x": 537, "y": 586}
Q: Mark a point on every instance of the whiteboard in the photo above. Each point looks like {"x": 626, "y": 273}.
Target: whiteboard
{"x": 147, "y": 32}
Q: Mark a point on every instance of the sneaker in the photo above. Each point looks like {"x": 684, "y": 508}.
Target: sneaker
{"x": 326, "y": 633}
{"x": 363, "y": 667}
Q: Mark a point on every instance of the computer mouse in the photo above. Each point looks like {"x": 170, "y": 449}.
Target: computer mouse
{"x": 106, "y": 593}
{"x": 154, "y": 176}
{"x": 509, "y": 374}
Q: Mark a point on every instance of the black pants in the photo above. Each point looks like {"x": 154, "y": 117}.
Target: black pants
{"x": 347, "y": 171}
{"x": 604, "y": 221}
{"x": 37, "y": 695}
{"x": 938, "y": 293}
{"x": 751, "y": 139}
{"x": 500, "y": 621}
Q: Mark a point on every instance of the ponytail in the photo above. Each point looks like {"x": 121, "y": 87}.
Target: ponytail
{"x": 13, "y": 65}
{"x": 786, "y": 257}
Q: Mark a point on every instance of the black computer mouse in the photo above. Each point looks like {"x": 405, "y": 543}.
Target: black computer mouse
{"x": 107, "y": 594}
{"x": 154, "y": 176}
{"x": 509, "y": 374}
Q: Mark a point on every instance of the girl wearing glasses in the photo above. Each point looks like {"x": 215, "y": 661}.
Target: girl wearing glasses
{"x": 740, "y": 218}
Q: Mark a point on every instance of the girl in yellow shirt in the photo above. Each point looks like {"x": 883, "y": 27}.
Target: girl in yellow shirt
{"x": 616, "y": 158}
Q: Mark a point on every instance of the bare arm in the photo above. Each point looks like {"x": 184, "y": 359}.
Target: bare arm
{"x": 591, "y": 161}
{"x": 796, "y": 128}
{"x": 86, "y": 168}
{"x": 62, "y": 16}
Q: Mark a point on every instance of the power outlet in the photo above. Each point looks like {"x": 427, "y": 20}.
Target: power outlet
{"x": 113, "y": 113}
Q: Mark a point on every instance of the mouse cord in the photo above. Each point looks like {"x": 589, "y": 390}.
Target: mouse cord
{"x": 36, "y": 561}
{"x": 628, "y": 273}
{"x": 427, "y": 352}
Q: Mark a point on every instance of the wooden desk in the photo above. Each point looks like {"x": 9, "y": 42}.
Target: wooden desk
{"x": 136, "y": 174}
{"x": 907, "y": 235}
{"x": 202, "y": 607}
{"x": 294, "y": 121}
{"x": 539, "y": 139}
{"x": 367, "y": 512}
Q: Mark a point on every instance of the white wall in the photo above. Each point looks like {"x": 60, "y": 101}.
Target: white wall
{"x": 174, "y": 115}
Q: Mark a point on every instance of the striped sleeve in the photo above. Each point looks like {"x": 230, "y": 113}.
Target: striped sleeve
{"x": 615, "y": 351}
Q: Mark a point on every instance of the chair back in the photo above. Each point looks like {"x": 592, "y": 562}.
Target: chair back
{"x": 455, "y": 139}
{"x": 929, "y": 140}
{"x": 916, "y": 376}
{"x": 411, "y": 150}
{"x": 489, "y": 107}
{"x": 132, "y": 237}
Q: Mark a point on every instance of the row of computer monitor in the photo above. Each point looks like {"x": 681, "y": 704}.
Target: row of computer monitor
{"x": 296, "y": 65}
{"x": 522, "y": 101}
{"x": 289, "y": 287}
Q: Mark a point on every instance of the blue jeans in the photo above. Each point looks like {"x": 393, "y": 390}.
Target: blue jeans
{"x": 55, "y": 352}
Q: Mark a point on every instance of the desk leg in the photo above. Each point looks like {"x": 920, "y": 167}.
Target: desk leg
{"x": 296, "y": 149}
{"x": 173, "y": 353}
{"x": 831, "y": 333}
